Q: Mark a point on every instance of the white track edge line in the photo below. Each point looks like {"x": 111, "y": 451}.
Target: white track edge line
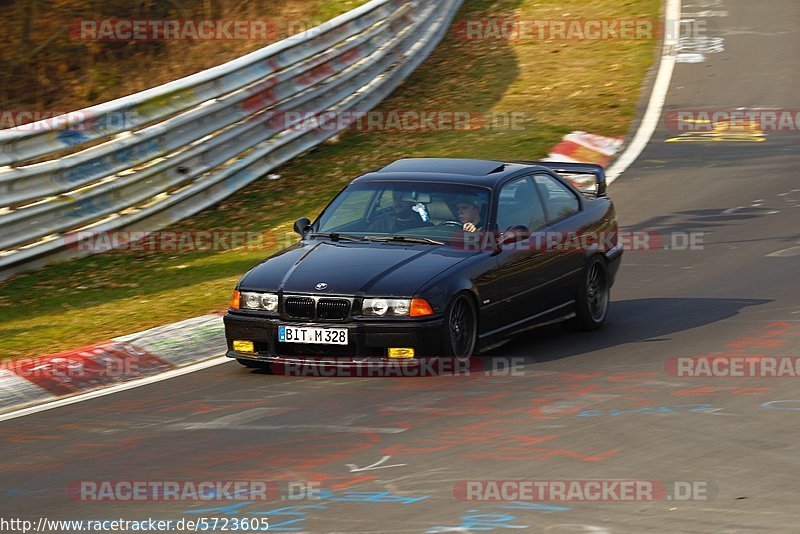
{"x": 657, "y": 98}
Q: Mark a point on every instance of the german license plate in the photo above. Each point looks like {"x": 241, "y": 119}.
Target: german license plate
{"x": 312, "y": 335}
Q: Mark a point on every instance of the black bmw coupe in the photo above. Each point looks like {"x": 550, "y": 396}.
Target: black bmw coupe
{"x": 429, "y": 258}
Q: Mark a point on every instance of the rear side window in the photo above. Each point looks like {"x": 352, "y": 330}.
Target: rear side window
{"x": 559, "y": 200}
{"x": 519, "y": 205}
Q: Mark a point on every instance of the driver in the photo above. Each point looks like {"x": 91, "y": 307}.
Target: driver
{"x": 469, "y": 212}
{"x": 402, "y": 217}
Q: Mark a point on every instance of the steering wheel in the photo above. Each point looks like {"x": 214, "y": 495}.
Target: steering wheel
{"x": 451, "y": 223}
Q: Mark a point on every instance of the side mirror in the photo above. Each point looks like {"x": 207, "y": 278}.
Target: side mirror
{"x": 301, "y": 225}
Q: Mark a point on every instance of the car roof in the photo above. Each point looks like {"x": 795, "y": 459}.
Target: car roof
{"x": 463, "y": 171}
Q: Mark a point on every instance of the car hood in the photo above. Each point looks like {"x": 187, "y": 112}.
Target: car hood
{"x": 379, "y": 269}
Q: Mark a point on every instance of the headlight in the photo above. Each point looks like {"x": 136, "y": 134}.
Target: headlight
{"x": 386, "y": 307}
{"x": 259, "y": 301}
{"x": 269, "y": 302}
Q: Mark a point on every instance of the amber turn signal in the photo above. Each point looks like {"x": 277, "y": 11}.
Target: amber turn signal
{"x": 420, "y": 308}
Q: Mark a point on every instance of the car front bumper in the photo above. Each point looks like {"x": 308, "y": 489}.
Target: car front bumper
{"x": 368, "y": 341}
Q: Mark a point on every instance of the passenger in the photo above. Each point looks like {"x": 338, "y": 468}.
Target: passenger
{"x": 403, "y": 216}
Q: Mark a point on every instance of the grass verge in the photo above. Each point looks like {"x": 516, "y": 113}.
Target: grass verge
{"x": 59, "y": 71}
{"x": 560, "y": 85}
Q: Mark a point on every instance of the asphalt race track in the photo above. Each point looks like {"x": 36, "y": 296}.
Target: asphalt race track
{"x": 390, "y": 454}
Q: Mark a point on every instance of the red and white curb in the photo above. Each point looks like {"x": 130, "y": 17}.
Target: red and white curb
{"x": 102, "y": 365}
{"x": 582, "y": 147}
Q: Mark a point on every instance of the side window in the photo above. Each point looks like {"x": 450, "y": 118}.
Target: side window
{"x": 558, "y": 199}
{"x": 519, "y": 205}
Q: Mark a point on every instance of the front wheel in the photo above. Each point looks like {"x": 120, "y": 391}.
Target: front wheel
{"x": 593, "y": 297}
{"x": 461, "y": 327}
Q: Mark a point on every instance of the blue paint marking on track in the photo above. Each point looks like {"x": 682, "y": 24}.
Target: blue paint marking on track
{"x": 771, "y": 405}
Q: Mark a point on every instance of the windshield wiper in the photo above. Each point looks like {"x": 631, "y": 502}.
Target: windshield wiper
{"x": 337, "y": 237}
{"x": 403, "y": 239}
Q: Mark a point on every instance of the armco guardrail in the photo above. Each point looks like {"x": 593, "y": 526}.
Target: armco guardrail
{"x": 150, "y": 159}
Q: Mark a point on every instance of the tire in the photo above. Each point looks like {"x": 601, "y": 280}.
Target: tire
{"x": 460, "y": 327}
{"x": 593, "y": 297}
{"x": 251, "y": 364}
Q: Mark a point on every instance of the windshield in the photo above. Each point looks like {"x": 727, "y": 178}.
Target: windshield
{"x": 418, "y": 209}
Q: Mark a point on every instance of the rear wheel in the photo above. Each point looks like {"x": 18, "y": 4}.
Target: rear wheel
{"x": 252, "y": 364}
{"x": 461, "y": 327}
{"x": 593, "y": 297}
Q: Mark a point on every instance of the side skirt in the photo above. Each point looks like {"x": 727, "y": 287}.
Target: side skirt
{"x": 496, "y": 338}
